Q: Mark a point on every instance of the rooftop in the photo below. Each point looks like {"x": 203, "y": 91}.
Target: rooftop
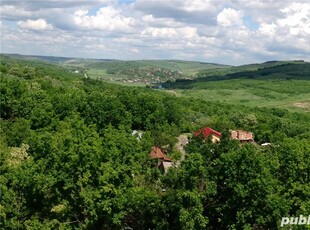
{"x": 206, "y": 132}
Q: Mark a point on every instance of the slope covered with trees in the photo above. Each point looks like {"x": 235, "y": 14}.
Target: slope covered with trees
{"x": 69, "y": 159}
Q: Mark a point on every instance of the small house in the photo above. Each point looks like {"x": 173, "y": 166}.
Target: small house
{"x": 206, "y": 132}
{"x": 243, "y": 136}
{"x": 164, "y": 162}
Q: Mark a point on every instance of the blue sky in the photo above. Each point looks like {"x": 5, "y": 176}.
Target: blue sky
{"x": 250, "y": 23}
{"x": 228, "y": 32}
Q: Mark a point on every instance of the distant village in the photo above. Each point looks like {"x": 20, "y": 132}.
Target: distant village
{"x": 148, "y": 75}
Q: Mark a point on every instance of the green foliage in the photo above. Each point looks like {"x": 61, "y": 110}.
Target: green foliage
{"x": 68, "y": 159}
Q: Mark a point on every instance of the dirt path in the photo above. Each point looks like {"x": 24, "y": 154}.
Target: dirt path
{"x": 182, "y": 141}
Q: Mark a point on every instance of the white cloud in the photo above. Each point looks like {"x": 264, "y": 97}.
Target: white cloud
{"x": 230, "y": 31}
{"x": 192, "y": 6}
{"x": 107, "y": 18}
{"x": 168, "y": 33}
{"x": 186, "y": 11}
{"x": 291, "y": 33}
{"x": 267, "y": 29}
{"x": 197, "y": 5}
{"x": 80, "y": 13}
{"x": 160, "y": 22}
{"x": 35, "y": 5}
{"x": 39, "y": 24}
{"x": 134, "y": 50}
{"x": 164, "y": 33}
{"x": 263, "y": 11}
{"x": 10, "y": 11}
{"x": 297, "y": 18}
{"x": 229, "y": 17}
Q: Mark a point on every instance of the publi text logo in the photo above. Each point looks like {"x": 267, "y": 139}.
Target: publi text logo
{"x": 300, "y": 220}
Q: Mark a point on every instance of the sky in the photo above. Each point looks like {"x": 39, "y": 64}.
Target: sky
{"x": 231, "y": 32}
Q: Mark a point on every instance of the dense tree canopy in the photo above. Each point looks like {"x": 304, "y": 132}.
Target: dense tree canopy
{"x": 69, "y": 159}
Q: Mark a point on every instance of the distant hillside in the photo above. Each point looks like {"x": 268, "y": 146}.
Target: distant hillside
{"x": 272, "y": 84}
{"x": 297, "y": 70}
{"x": 55, "y": 59}
{"x": 246, "y": 68}
{"x": 30, "y": 67}
{"x": 144, "y": 71}
{"x": 178, "y": 74}
{"x": 52, "y": 59}
{"x": 184, "y": 67}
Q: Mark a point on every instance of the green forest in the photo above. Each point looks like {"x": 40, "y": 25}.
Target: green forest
{"x": 69, "y": 160}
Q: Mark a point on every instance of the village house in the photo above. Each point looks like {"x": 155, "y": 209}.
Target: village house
{"x": 240, "y": 135}
{"x": 243, "y": 136}
{"x": 164, "y": 162}
{"x": 206, "y": 132}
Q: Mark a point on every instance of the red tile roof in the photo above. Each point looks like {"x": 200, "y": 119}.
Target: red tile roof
{"x": 157, "y": 153}
{"x": 206, "y": 132}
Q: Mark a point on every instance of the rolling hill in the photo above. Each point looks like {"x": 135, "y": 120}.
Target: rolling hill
{"x": 143, "y": 71}
{"x": 283, "y": 84}
{"x": 271, "y": 84}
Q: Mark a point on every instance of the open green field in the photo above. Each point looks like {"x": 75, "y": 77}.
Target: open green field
{"x": 100, "y": 73}
{"x": 296, "y": 103}
{"x": 293, "y": 95}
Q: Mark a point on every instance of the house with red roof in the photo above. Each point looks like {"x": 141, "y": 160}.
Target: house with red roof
{"x": 164, "y": 162}
{"x": 206, "y": 132}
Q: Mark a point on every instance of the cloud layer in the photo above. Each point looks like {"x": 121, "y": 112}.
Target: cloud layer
{"x": 39, "y": 24}
{"x": 230, "y": 32}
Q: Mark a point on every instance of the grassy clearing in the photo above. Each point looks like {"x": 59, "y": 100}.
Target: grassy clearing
{"x": 251, "y": 97}
{"x": 134, "y": 84}
{"x": 100, "y": 73}
{"x": 289, "y": 94}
